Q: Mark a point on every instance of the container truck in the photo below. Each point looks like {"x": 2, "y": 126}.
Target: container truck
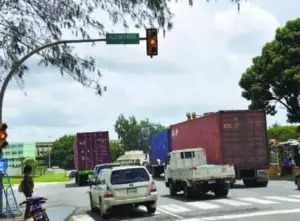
{"x": 236, "y": 138}
{"x": 159, "y": 152}
{"x": 90, "y": 149}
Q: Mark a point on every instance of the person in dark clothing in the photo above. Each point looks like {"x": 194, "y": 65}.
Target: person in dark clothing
{"x": 28, "y": 186}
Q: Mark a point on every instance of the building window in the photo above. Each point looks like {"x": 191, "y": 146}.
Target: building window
{"x": 20, "y": 145}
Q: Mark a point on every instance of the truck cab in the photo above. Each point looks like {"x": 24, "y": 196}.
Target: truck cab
{"x": 188, "y": 170}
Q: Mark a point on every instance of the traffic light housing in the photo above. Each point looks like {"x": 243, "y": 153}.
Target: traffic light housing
{"x": 188, "y": 116}
{"x": 152, "y": 42}
{"x": 3, "y": 135}
{"x": 194, "y": 116}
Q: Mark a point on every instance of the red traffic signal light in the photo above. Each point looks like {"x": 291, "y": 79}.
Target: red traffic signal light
{"x": 3, "y": 135}
{"x": 152, "y": 42}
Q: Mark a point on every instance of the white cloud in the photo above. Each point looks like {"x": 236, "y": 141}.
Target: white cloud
{"x": 207, "y": 76}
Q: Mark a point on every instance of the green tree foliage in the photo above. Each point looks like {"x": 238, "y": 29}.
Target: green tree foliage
{"x": 283, "y": 133}
{"x": 28, "y": 24}
{"x": 148, "y": 129}
{"x": 116, "y": 150}
{"x": 274, "y": 77}
{"x": 128, "y": 131}
{"x": 62, "y": 153}
{"x": 136, "y": 135}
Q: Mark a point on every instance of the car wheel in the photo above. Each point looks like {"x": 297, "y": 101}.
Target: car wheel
{"x": 298, "y": 183}
{"x": 93, "y": 208}
{"x": 150, "y": 209}
{"x": 103, "y": 214}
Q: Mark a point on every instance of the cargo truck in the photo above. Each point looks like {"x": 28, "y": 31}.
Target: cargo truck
{"x": 237, "y": 138}
{"x": 90, "y": 149}
{"x": 159, "y": 152}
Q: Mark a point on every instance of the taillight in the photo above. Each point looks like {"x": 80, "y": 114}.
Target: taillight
{"x": 107, "y": 193}
{"x": 153, "y": 187}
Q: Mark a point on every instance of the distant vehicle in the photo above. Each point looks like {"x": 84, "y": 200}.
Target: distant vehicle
{"x": 123, "y": 186}
{"x": 134, "y": 157}
{"x": 188, "y": 170}
{"x": 237, "y": 137}
{"x": 37, "y": 212}
{"x": 100, "y": 167}
{"x": 297, "y": 181}
{"x": 160, "y": 148}
{"x": 72, "y": 174}
{"x": 90, "y": 149}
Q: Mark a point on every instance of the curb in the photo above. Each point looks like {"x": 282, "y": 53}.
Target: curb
{"x": 69, "y": 218}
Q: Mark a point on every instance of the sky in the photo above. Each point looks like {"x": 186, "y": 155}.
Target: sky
{"x": 197, "y": 70}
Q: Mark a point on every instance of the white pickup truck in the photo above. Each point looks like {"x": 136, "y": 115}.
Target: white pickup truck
{"x": 188, "y": 170}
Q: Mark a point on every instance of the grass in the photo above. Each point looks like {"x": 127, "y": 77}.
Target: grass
{"x": 48, "y": 178}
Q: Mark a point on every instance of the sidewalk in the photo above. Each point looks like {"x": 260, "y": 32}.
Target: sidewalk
{"x": 14, "y": 217}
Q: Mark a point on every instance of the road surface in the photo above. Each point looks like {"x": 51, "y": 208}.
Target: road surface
{"x": 279, "y": 201}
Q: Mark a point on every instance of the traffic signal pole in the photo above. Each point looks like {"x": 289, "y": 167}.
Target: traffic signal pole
{"x": 15, "y": 69}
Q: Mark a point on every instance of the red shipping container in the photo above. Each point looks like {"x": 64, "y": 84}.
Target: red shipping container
{"x": 90, "y": 149}
{"x": 228, "y": 137}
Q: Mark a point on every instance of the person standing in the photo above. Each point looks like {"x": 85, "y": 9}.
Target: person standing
{"x": 28, "y": 186}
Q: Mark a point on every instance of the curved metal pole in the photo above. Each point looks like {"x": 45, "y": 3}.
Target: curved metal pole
{"x": 14, "y": 69}
{"x": 16, "y": 66}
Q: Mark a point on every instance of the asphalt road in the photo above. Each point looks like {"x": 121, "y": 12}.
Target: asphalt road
{"x": 279, "y": 201}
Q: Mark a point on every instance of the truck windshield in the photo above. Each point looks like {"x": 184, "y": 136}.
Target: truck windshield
{"x": 131, "y": 175}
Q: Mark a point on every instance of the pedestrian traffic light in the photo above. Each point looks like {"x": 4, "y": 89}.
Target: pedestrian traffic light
{"x": 194, "y": 115}
{"x": 3, "y": 135}
{"x": 152, "y": 42}
{"x": 188, "y": 115}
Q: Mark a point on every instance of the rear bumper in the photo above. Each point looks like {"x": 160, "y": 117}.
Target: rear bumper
{"x": 112, "y": 202}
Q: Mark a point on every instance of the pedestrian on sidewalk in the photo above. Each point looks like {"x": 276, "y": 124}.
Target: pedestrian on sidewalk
{"x": 28, "y": 186}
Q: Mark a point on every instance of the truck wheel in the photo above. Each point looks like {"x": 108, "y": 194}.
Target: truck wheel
{"x": 249, "y": 182}
{"x": 150, "y": 209}
{"x": 221, "y": 192}
{"x": 80, "y": 183}
{"x": 188, "y": 191}
{"x": 298, "y": 183}
{"x": 172, "y": 189}
{"x": 262, "y": 183}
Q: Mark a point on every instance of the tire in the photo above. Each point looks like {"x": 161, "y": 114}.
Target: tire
{"x": 262, "y": 183}
{"x": 172, "y": 188}
{"x": 103, "y": 214}
{"x": 249, "y": 182}
{"x": 221, "y": 192}
{"x": 298, "y": 183}
{"x": 93, "y": 209}
{"x": 151, "y": 210}
{"x": 231, "y": 185}
{"x": 188, "y": 191}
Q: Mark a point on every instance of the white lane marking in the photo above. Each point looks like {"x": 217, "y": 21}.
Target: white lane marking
{"x": 282, "y": 198}
{"x": 82, "y": 218}
{"x": 232, "y": 202}
{"x": 143, "y": 208}
{"x": 297, "y": 196}
{"x": 244, "y": 215}
{"x": 257, "y": 201}
{"x": 174, "y": 208}
{"x": 169, "y": 213}
{"x": 203, "y": 205}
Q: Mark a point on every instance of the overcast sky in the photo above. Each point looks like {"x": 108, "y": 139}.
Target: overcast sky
{"x": 198, "y": 68}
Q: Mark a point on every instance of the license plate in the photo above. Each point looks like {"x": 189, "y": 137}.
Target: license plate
{"x": 132, "y": 191}
{"x": 211, "y": 181}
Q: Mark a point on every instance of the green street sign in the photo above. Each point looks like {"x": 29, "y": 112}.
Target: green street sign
{"x": 122, "y": 38}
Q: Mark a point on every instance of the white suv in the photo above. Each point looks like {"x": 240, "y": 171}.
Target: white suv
{"x": 120, "y": 186}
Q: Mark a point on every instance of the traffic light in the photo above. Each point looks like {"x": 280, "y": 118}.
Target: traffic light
{"x": 151, "y": 36}
{"x": 188, "y": 115}
{"x": 194, "y": 115}
{"x": 3, "y": 135}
